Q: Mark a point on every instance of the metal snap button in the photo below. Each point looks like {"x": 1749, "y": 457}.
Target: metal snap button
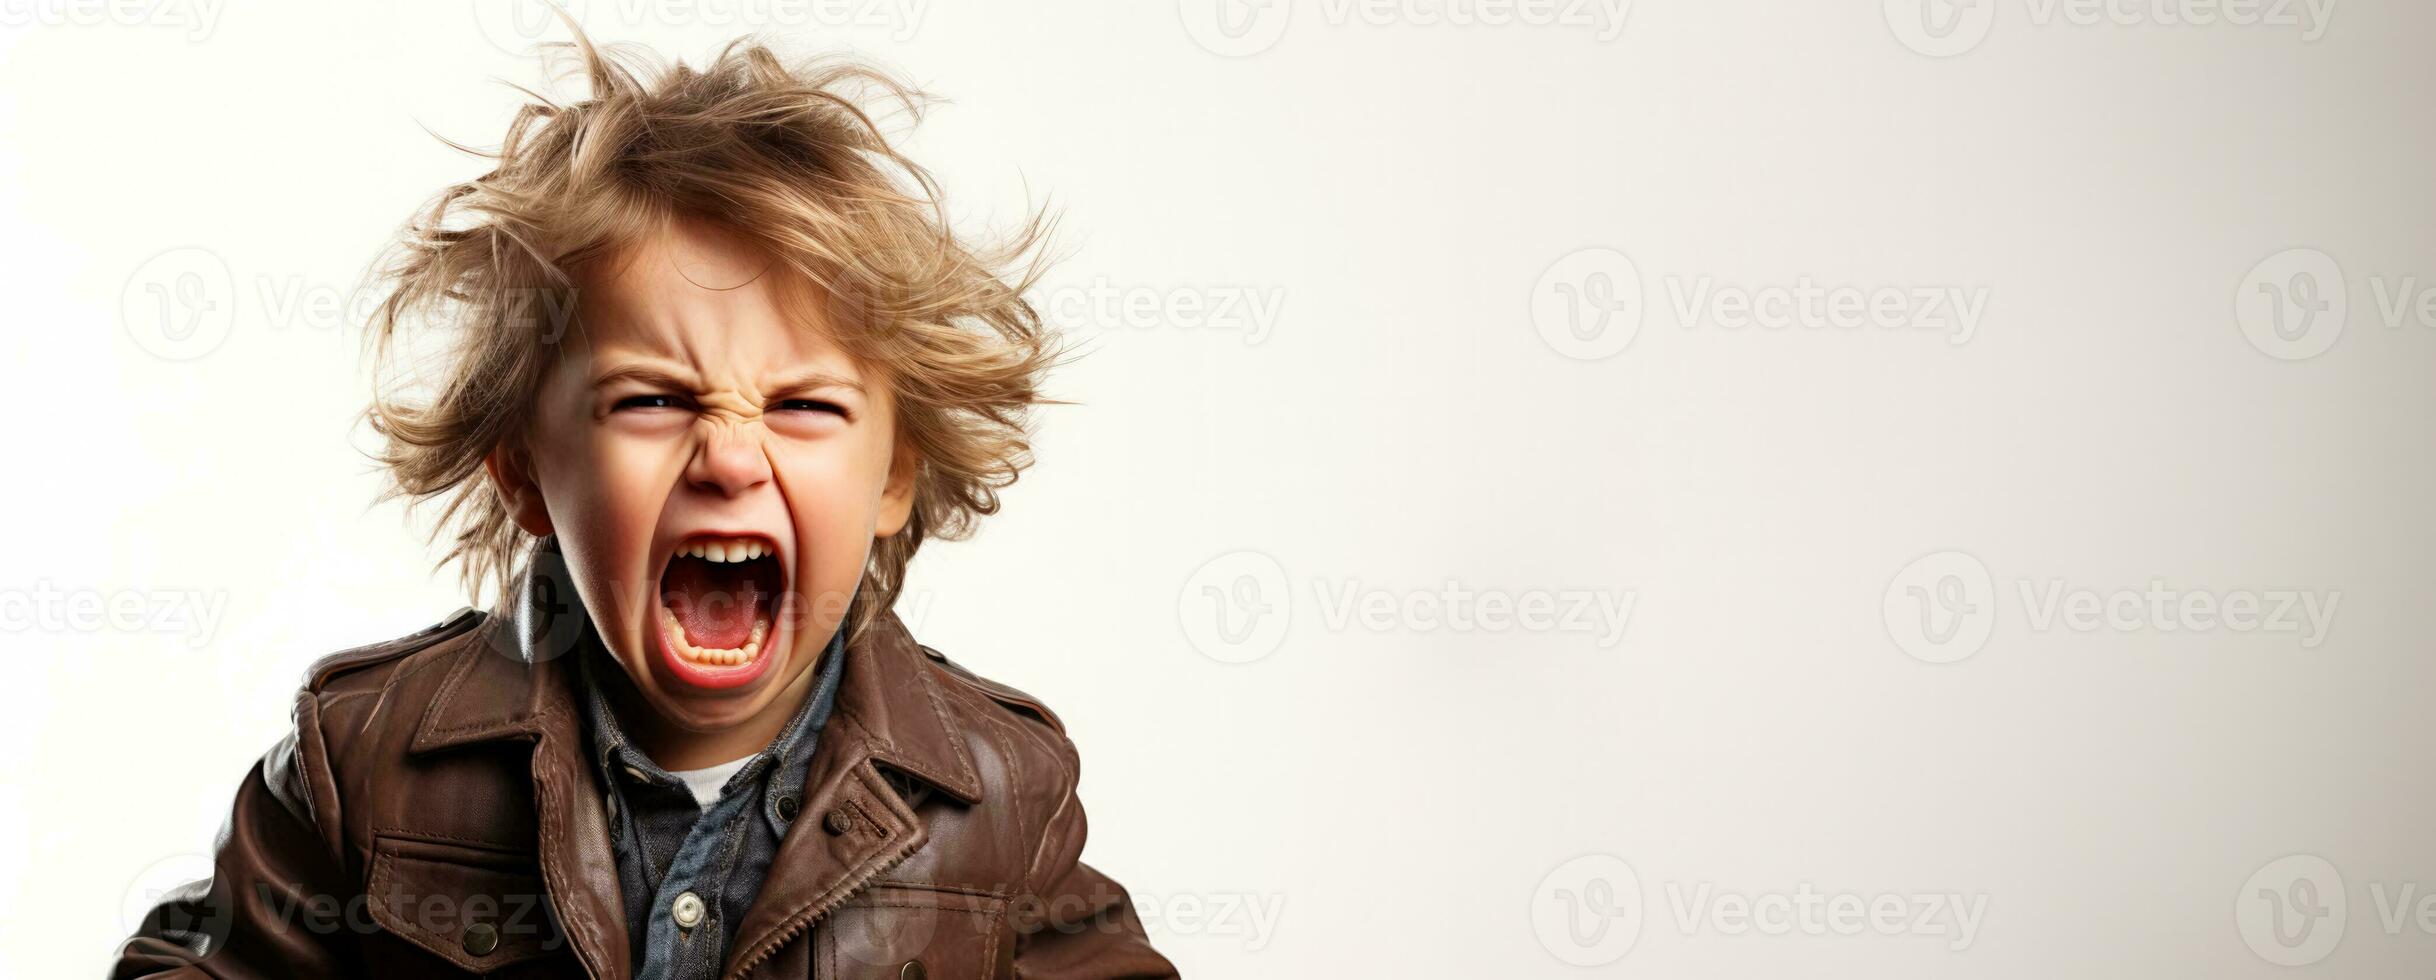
{"x": 481, "y": 938}
{"x": 839, "y": 821}
{"x": 913, "y": 970}
{"x": 687, "y": 910}
{"x": 787, "y": 807}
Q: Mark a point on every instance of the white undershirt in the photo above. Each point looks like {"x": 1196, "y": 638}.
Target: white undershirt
{"x": 705, "y": 783}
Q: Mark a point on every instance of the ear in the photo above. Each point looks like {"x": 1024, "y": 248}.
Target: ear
{"x": 512, "y": 475}
{"x": 896, "y": 499}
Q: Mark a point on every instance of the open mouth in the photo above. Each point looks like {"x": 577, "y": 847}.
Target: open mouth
{"x": 719, "y": 597}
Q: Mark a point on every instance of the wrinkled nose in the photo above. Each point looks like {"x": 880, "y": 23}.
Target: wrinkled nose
{"x": 728, "y": 460}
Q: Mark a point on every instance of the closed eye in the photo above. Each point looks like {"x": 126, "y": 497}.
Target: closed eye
{"x": 812, "y": 405}
{"x": 647, "y": 401}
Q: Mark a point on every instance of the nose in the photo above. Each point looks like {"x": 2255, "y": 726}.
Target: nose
{"x": 728, "y": 460}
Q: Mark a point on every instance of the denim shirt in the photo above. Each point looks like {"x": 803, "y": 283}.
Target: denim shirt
{"x": 688, "y": 874}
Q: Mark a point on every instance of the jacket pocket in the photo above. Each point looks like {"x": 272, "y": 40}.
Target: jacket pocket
{"x": 478, "y": 907}
{"x": 952, "y": 933}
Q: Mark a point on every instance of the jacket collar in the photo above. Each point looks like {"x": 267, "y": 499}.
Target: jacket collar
{"x": 515, "y": 683}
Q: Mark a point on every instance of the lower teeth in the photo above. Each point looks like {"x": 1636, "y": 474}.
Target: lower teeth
{"x": 714, "y": 657}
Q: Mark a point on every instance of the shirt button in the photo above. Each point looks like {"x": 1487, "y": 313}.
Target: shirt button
{"x": 787, "y": 807}
{"x": 687, "y": 910}
{"x": 913, "y": 970}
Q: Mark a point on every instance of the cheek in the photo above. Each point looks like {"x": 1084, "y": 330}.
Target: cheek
{"x": 605, "y": 491}
{"x": 618, "y": 484}
{"x": 833, "y": 503}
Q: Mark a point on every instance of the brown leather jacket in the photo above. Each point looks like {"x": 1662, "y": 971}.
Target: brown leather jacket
{"x": 431, "y": 816}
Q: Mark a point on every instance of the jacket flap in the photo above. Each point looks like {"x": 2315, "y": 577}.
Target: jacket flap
{"x": 478, "y": 907}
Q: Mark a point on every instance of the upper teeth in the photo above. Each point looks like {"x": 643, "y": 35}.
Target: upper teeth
{"x": 724, "y": 549}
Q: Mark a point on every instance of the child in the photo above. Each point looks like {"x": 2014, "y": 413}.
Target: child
{"x": 714, "y": 367}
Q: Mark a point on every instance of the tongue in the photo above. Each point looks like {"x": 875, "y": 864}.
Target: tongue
{"x": 715, "y": 602}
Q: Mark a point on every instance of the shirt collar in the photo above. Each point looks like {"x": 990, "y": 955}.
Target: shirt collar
{"x": 783, "y": 762}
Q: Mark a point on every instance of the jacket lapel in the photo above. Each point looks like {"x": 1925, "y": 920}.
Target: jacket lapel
{"x": 854, "y": 825}
{"x": 514, "y": 684}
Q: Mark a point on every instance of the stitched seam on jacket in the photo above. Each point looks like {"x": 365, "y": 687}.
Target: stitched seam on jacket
{"x": 938, "y": 708}
{"x": 313, "y": 762}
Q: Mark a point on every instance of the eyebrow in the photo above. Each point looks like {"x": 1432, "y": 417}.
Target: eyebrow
{"x": 816, "y": 378}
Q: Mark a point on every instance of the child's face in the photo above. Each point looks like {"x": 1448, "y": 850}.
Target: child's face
{"x": 685, "y": 418}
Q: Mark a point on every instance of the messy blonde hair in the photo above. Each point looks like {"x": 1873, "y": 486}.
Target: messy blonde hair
{"x": 789, "y": 156}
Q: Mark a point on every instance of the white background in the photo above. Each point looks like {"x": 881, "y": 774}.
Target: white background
{"x": 1408, "y": 794}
